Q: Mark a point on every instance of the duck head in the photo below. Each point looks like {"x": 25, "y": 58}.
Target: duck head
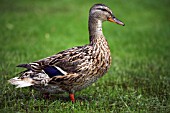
{"x": 103, "y": 13}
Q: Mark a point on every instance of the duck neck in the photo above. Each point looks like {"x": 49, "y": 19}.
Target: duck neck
{"x": 95, "y": 29}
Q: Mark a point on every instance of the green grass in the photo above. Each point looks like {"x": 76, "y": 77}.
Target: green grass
{"x": 138, "y": 80}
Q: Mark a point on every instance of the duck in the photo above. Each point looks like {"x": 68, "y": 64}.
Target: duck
{"x": 73, "y": 69}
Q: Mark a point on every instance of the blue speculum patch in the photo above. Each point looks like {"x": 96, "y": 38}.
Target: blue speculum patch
{"x": 52, "y": 71}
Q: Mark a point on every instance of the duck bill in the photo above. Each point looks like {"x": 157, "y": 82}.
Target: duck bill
{"x": 115, "y": 20}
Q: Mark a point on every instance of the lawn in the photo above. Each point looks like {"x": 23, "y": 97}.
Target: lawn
{"x": 138, "y": 80}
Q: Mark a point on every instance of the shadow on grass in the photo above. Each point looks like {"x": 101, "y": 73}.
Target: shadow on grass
{"x": 27, "y": 99}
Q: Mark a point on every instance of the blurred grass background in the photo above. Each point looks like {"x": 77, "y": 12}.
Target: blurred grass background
{"x": 139, "y": 78}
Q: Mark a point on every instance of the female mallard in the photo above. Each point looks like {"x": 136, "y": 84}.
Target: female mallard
{"x": 76, "y": 68}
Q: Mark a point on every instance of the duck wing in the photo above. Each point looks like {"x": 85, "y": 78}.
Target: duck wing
{"x": 73, "y": 60}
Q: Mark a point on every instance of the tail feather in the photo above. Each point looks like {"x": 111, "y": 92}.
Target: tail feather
{"x": 24, "y": 66}
{"x": 26, "y": 82}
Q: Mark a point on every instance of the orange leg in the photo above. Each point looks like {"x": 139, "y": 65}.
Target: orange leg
{"x": 72, "y": 97}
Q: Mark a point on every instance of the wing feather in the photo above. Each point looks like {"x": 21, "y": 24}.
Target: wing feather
{"x": 67, "y": 61}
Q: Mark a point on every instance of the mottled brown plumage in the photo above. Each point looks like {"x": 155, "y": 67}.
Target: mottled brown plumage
{"x": 76, "y": 68}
